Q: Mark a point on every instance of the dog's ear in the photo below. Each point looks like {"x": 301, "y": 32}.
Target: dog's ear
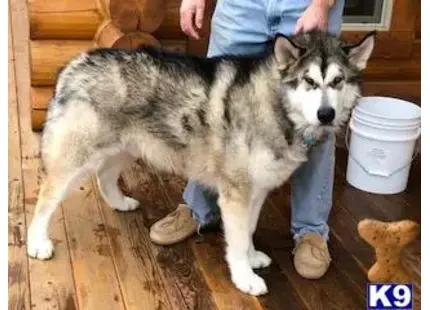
{"x": 359, "y": 54}
{"x": 286, "y": 51}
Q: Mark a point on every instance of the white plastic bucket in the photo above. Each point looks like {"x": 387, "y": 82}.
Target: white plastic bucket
{"x": 382, "y": 144}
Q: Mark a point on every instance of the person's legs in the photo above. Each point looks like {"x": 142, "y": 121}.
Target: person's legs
{"x": 311, "y": 191}
{"x": 312, "y": 183}
{"x": 202, "y": 202}
{"x": 243, "y": 29}
{"x": 238, "y": 27}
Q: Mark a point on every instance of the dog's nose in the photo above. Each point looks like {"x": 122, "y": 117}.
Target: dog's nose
{"x": 326, "y": 115}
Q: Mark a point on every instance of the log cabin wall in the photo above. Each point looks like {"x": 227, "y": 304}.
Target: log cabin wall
{"x": 61, "y": 29}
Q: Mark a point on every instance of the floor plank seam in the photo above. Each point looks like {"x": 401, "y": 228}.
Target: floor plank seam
{"x": 347, "y": 274}
{"x": 359, "y": 263}
{"x": 72, "y": 267}
{"x": 95, "y": 191}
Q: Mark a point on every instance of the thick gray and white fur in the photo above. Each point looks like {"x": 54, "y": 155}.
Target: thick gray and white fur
{"x": 240, "y": 125}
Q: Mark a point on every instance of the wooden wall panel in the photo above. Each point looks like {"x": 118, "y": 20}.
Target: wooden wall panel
{"x": 388, "y": 45}
{"x": 48, "y": 56}
{"x": 418, "y": 20}
{"x": 407, "y": 89}
{"x": 404, "y": 13}
{"x": 170, "y": 27}
{"x": 393, "y": 70}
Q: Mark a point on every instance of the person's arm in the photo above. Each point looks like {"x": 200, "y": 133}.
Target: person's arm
{"x": 192, "y": 13}
{"x": 315, "y": 16}
{"x": 330, "y": 3}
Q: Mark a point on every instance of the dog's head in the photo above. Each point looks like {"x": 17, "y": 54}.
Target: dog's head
{"x": 320, "y": 77}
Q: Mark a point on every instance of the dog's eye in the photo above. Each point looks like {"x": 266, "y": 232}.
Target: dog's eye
{"x": 336, "y": 81}
{"x": 311, "y": 82}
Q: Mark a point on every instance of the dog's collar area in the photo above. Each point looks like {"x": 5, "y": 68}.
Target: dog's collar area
{"x": 309, "y": 140}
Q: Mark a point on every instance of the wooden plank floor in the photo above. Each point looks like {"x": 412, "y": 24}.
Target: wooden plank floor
{"x": 104, "y": 259}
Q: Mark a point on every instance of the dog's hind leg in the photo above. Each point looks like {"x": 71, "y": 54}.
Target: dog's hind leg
{"x": 257, "y": 259}
{"x": 52, "y": 192}
{"x": 235, "y": 211}
{"x": 107, "y": 179}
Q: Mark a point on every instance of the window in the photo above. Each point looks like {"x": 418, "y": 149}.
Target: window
{"x": 367, "y": 14}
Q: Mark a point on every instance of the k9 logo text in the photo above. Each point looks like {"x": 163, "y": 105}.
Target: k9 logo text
{"x": 389, "y": 296}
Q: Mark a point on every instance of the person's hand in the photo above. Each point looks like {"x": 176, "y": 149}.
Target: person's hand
{"x": 192, "y": 13}
{"x": 315, "y": 16}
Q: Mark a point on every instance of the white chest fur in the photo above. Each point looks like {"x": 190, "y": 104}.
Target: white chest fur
{"x": 271, "y": 171}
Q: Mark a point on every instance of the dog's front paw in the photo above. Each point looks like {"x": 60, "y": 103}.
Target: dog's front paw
{"x": 258, "y": 259}
{"x": 130, "y": 204}
{"x": 250, "y": 283}
{"x": 40, "y": 249}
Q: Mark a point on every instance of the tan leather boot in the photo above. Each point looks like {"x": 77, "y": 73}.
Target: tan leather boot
{"x": 175, "y": 227}
{"x": 311, "y": 256}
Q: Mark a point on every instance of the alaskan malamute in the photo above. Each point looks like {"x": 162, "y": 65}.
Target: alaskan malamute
{"x": 240, "y": 125}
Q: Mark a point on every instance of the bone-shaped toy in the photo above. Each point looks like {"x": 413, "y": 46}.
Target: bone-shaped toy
{"x": 388, "y": 239}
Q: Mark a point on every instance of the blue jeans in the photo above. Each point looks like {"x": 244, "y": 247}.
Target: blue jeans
{"x": 244, "y": 27}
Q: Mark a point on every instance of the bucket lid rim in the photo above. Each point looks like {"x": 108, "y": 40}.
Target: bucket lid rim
{"x": 384, "y": 127}
{"x": 366, "y": 99}
{"x": 394, "y": 125}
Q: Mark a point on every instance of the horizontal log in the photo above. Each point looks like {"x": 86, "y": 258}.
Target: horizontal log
{"x": 46, "y": 60}
{"x": 47, "y": 57}
{"x": 387, "y": 70}
{"x": 57, "y": 6}
{"x": 66, "y": 19}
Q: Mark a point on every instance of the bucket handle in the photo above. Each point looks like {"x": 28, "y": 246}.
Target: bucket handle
{"x": 374, "y": 172}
